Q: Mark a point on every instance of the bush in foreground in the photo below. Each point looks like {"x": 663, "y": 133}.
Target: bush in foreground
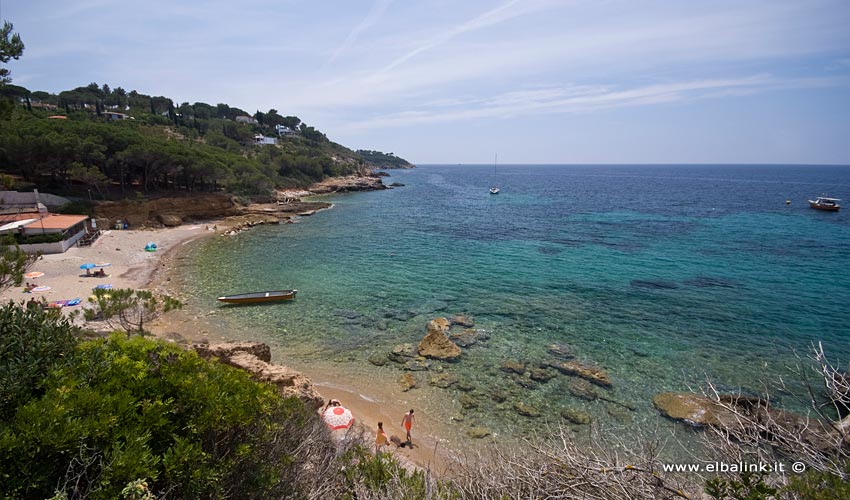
{"x": 125, "y": 409}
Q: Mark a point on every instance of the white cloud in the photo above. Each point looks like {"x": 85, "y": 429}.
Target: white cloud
{"x": 584, "y": 99}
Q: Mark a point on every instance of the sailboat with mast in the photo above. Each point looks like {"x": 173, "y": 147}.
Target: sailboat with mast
{"x": 494, "y": 189}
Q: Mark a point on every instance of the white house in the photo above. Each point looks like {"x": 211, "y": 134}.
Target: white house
{"x": 246, "y": 119}
{"x": 283, "y": 130}
{"x": 260, "y": 139}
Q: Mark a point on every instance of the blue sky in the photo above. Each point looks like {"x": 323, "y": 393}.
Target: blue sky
{"x": 536, "y": 81}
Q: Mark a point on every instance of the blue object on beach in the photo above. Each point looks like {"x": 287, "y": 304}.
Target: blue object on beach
{"x": 103, "y": 287}
{"x": 150, "y": 247}
{"x": 73, "y": 302}
{"x": 87, "y": 265}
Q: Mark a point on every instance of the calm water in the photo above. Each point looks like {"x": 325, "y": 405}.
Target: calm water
{"x": 662, "y": 275}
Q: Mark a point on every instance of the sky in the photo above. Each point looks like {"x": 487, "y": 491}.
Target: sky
{"x": 447, "y": 81}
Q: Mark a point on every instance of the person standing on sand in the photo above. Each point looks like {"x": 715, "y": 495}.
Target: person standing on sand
{"x": 407, "y": 422}
{"x": 380, "y": 438}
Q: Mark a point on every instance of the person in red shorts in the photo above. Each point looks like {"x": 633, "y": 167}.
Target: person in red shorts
{"x": 407, "y": 422}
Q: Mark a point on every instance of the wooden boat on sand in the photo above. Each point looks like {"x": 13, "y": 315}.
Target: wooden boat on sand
{"x": 248, "y": 298}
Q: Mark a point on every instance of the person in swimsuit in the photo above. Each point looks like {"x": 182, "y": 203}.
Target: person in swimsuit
{"x": 381, "y": 437}
{"x": 407, "y": 422}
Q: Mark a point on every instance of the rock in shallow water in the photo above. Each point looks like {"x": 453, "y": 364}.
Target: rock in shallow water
{"x": 436, "y": 344}
{"x": 575, "y": 416}
{"x": 478, "y": 432}
{"x": 588, "y": 372}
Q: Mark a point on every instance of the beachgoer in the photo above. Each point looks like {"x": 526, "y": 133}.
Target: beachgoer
{"x": 380, "y": 438}
{"x": 88, "y": 272}
{"x": 32, "y": 303}
{"x": 331, "y": 402}
{"x": 407, "y": 422}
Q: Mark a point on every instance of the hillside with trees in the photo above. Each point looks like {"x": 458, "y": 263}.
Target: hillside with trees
{"x": 113, "y": 143}
{"x": 378, "y": 159}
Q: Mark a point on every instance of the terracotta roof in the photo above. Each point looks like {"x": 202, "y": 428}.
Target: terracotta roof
{"x": 54, "y": 221}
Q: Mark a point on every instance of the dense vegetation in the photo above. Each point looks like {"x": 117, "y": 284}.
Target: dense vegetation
{"x": 383, "y": 160}
{"x": 163, "y": 148}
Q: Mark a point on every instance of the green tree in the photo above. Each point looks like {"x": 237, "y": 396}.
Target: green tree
{"x": 14, "y": 262}
{"x": 11, "y": 47}
{"x": 34, "y": 341}
{"x": 129, "y": 309}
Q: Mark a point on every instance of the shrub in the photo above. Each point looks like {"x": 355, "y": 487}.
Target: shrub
{"x": 125, "y": 409}
{"x": 33, "y": 342}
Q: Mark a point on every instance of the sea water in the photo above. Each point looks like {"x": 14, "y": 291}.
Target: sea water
{"x": 664, "y": 276}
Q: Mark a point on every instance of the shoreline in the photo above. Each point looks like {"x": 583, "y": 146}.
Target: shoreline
{"x": 130, "y": 266}
{"x": 370, "y": 401}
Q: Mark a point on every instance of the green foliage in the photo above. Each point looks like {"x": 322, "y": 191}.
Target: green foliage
{"x": 383, "y": 160}
{"x": 33, "y": 342}
{"x": 39, "y": 238}
{"x": 124, "y": 409}
{"x": 11, "y": 47}
{"x": 14, "y": 262}
{"x": 814, "y": 485}
{"x": 77, "y": 207}
{"x": 377, "y": 473}
{"x": 129, "y": 309}
{"x": 751, "y": 486}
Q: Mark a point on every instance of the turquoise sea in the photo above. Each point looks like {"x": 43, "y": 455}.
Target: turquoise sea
{"x": 663, "y": 275}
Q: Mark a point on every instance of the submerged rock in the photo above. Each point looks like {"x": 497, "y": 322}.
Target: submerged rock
{"x": 407, "y": 382}
{"x": 513, "y": 366}
{"x": 462, "y": 320}
{"x": 575, "y": 416}
{"x": 436, "y": 344}
{"x": 561, "y": 351}
{"x": 478, "y": 432}
{"x": 442, "y": 380}
{"x": 378, "y": 359}
{"x": 402, "y": 353}
{"x": 539, "y": 374}
{"x": 588, "y": 372}
{"x": 526, "y": 410}
{"x": 582, "y": 389}
{"x": 469, "y": 337}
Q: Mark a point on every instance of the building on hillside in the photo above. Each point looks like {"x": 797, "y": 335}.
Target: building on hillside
{"x": 246, "y": 119}
{"x": 260, "y": 139}
{"x": 283, "y": 130}
{"x": 112, "y": 116}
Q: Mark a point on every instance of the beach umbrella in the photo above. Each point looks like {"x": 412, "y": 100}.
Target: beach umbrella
{"x": 40, "y": 289}
{"x": 104, "y": 287}
{"x": 338, "y": 417}
{"x": 34, "y": 274}
{"x": 102, "y": 264}
{"x": 87, "y": 265}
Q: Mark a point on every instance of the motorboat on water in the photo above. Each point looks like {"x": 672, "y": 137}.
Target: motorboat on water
{"x": 824, "y": 203}
{"x": 494, "y": 190}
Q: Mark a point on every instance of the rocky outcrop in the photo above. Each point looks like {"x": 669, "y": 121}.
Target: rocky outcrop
{"x": 369, "y": 182}
{"x": 255, "y": 357}
{"x": 138, "y": 213}
{"x": 739, "y": 414}
{"x": 436, "y": 344}
{"x": 691, "y": 408}
{"x": 228, "y": 349}
{"x": 170, "y": 220}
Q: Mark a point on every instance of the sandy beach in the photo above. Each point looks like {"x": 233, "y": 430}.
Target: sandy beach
{"x": 130, "y": 266}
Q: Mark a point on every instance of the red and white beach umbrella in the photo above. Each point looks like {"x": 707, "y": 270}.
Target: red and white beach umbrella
{"x": 34, "y": 274}
{"x": 338, "y": 417}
